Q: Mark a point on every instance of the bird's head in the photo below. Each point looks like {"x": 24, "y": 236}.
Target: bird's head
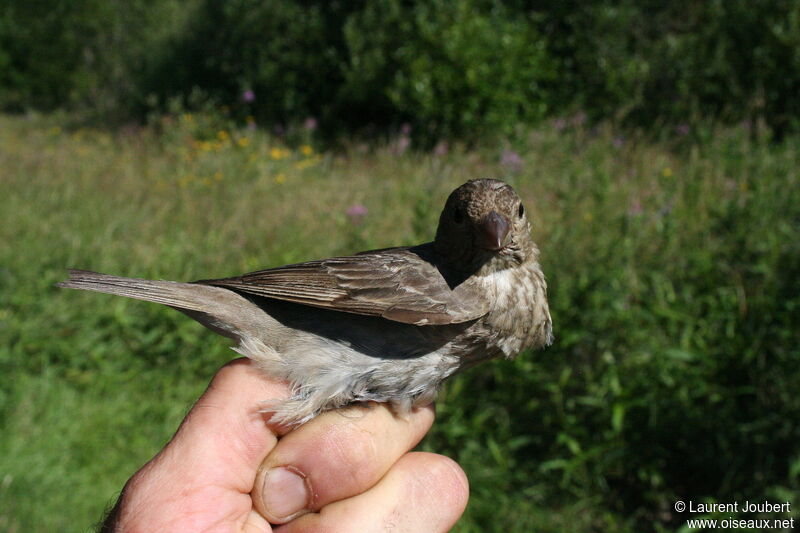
{"x": 484, "y": 226}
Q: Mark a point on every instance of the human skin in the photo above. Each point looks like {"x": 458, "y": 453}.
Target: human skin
{"x": 227, "y": 469}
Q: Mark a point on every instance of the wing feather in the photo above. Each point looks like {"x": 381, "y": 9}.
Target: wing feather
{"x": 399, "y": 284}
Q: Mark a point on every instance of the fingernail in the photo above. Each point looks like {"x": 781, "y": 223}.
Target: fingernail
{"x": 284, "y": 492}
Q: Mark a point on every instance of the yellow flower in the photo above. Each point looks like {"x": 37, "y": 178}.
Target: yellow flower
{"x": 222, "y": 135}
{"x": 205, "y": 146}
{"x": 243, "y": 142}
{"x": 667, "y": 172}
{"x": 306, "y": 149}
{"x": 280, "y": 178}
{"x": 278, "y": 153}
{"x": 218, "y": 175}
{"x": 300, "y": 165}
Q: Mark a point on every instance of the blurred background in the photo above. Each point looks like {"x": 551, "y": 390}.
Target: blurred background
{"x": 657, "y": 148}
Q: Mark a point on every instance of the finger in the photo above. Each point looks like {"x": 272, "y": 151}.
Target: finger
{"x": 255, "y": 523}
{"x": 224, "y": 437}
{"x": 335, "y": 456}
{"x": 421, "y": 492}
{"x": 212, "y": 457}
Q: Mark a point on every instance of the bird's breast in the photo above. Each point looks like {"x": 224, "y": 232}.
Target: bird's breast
{"x": 519, "y": 316}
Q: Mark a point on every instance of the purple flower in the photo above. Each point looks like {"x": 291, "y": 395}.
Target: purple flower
{"x": 635, "y": 209}
{"x": 618, "y": 142}
{"x": 559, "y": 124}
{"x": 401, "y": 145}
{"x": 405, "y": 129}
{"x": 682, "y": 129}
{"x": 512, "y": 160}
{"x": 579, "y": 119}
{"x": 310, "y": 124}
{"x": 356, "y": 213}
{"x": 441, "y": 149}
{"x": 249, "y": 96}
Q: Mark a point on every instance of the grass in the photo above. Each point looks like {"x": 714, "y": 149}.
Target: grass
{"x": 673, "y": 269}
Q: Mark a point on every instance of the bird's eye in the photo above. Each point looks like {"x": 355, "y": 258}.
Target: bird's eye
{"x": 521, "y": 211}
{"x": 458, "y": 215}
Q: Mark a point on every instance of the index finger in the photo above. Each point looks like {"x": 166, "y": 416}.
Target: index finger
{"x": 335, "y": 456}
{"x": 225, "y": 437}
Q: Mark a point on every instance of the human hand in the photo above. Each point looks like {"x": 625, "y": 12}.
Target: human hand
{"x": 227, "y": 469}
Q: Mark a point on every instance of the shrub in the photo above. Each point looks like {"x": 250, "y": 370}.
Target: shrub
{"x": 454, "y": 68}
{"x": 451, "y": 69}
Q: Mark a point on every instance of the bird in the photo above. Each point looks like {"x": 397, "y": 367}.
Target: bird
{"x": 387, "y": 325}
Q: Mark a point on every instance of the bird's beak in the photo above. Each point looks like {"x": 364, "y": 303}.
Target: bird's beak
{"x": 493, "y": 231}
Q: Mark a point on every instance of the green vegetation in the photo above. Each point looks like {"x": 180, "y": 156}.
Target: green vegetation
{"x": 674, "y": 270}
{"x": 672, "y": 247}
{"x": 460, "y": 69}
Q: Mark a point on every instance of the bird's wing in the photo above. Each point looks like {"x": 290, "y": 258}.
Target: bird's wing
{"x": 395, "y": 283}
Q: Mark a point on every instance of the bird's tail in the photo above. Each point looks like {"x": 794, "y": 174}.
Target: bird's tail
{"x": 182, "y": 295}
{"x": 219, "y": 309}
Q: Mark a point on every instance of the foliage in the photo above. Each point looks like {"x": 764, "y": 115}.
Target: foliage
{"x": 286, "y": 54}
{"x": 678, "y": 62}
{"x": 673, "y": 271}
{"x": 84, "y": 53}
{"x": 450, "y": 69}
{"x": 40, "y": 70}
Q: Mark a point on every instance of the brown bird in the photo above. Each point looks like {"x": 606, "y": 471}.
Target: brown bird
{"x": 385, "y": 325}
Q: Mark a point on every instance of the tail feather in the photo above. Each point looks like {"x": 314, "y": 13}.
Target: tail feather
{"x": 219, "y": 309}
{"x": 172, "y": 293}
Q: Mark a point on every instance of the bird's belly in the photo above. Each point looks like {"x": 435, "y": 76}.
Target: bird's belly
{"x": 333, "y": 358}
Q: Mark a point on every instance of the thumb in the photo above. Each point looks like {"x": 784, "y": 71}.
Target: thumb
{"x": 225, "y": 436}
